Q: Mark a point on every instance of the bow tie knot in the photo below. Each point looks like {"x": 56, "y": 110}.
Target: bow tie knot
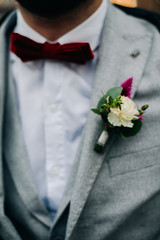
{"x": 29, "y": 50}
{"x": 50, "y": 50}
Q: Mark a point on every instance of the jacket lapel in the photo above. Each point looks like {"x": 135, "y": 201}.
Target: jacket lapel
{"x": 123, "y": 54}
{"x": 13, "y": 144}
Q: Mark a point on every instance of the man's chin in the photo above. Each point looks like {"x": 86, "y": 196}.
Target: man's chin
{"x": 51, "y": 8}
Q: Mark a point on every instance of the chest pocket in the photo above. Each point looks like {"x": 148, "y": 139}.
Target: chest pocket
{"x": 140, "y": 151}
{"x": 134, "y": 161}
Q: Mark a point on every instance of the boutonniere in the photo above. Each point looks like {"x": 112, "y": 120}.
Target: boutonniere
{"x": 118, "y": 111}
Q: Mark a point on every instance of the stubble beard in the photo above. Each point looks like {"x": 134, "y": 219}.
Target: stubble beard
{"x": 52, "y": 8}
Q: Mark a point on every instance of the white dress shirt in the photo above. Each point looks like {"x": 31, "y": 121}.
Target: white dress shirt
{"x": 54, "y": 101}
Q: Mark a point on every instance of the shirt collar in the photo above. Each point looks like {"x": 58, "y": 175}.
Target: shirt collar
{"x": 88, "y": 31}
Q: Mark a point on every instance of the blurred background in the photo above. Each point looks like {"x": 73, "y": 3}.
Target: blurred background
{"x": 152, "y": 5}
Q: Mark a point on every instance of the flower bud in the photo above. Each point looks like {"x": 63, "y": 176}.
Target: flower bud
{"x": 144, "y": 107}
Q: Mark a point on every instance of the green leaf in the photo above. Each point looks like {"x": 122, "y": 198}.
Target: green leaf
{"x": 95, "y": 110}
{"x": 113, "y": 92}
{"x": 122, "y": 136}
{"x": 109, "y": 100}
{"x": 128, "y": 132}
{"x": 104, "y": 116}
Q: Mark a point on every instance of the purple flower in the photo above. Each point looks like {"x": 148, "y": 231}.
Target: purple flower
{"x": 141, "y": 117}
{"x": 127, "y": 87}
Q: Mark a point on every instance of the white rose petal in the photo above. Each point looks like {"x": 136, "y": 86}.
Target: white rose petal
{"x": 124, "y": 116}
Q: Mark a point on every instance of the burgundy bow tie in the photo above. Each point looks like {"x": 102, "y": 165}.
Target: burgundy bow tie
{"x": 29, "y": 50}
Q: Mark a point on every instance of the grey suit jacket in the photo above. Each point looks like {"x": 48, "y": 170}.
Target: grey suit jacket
{"x": 115, "y": 196}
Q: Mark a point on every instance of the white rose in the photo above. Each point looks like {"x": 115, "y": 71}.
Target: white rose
{"x": 124, "y": 116}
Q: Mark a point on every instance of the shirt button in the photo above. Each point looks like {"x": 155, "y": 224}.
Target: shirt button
{"x": 53, "y": 108}
{"x": 56, "y": 170}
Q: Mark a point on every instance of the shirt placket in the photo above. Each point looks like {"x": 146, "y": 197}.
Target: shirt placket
{"x": 54, "y": 134}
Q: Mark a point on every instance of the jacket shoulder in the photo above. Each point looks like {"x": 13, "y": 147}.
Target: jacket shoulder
{"x": 131, "y": 24}
{"x": 150, "y": 16}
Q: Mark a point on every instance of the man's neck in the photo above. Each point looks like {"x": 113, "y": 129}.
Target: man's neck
{"x": 54, "y": 28}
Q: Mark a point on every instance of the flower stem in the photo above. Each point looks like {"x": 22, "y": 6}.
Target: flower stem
{"x": 102, "y": 140}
